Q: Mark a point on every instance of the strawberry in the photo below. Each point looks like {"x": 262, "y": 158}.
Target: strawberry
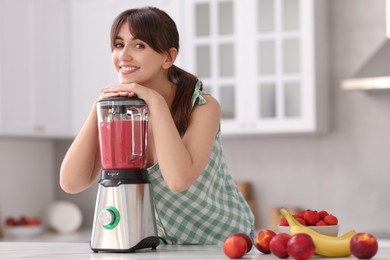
{"x": 300, "y": 214}
{"x": 23, "y": 221}
{"x": 311, "y": 217}
{"x": 33, "y": 221}
{"x": 10, "y": 221}
{"x": 331, "y": 220}
{"x": 322, "y": 214}
{"x": 283, "y": 222}
{"x": 302, "y": 221}
{"x": 321, "y": 223}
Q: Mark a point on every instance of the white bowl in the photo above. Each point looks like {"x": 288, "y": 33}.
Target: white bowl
{"x": 332, "y": 230}
{"x": 23, "y": 231}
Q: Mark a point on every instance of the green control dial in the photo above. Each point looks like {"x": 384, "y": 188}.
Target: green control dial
{"x": 109, "y": 217}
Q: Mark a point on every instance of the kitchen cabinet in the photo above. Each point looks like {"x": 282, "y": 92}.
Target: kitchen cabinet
{"x": 34, "y": 68}
{"x": 261, "y": 60}
{"x": 91, "y": 50}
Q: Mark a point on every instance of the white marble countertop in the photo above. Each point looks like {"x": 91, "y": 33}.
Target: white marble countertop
{"x": 80, "y": 251}
{"x": 47, "y": 236}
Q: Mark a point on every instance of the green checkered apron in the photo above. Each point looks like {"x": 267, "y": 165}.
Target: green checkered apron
{"x": 207, "y": 212}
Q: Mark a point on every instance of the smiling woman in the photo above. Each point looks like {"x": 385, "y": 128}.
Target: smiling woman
{"x": 195, "y": 199}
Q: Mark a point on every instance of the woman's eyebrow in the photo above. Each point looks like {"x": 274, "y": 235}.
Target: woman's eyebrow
{"x": 122, "y": 39}
{"x": 118, "y": 38}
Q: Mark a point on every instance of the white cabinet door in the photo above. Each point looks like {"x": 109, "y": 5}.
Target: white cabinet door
{"x": 91, "y": 52}
{"x": 257, "y": 57}
{"x": 34, "y": 68}
{"x": 2, "y": 22}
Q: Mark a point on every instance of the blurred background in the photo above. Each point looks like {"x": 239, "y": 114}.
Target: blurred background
{"x": 294, "y": 135}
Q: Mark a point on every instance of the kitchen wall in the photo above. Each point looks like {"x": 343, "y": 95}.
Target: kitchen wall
{"x": 86, "y": 199}
{"x": 344, "y": 170}
{"x": 27, "y": 176}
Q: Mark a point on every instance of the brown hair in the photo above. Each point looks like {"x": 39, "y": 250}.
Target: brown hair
{"x": 159, "y": 31}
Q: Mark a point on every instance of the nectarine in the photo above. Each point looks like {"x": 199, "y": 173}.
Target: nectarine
{"x": 364, "y": 245}
{"x": 262, "y": 239}
{"x": 278, "y": 245}
{"x": 301, "y": 246}
{"x": 235, "y": 247}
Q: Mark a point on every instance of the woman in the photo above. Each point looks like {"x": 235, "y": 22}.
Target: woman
{"x": 195, "y": 199}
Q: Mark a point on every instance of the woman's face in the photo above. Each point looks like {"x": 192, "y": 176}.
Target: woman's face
{"x": 135, "y": 61}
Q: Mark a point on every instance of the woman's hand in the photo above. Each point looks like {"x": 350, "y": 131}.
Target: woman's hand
{"x": 150, "y": 96}
{"x": 126, "y": 90}
{"x": 116, "y": 91}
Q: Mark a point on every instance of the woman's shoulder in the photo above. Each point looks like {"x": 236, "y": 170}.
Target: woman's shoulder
{"x": 211, "y": 101}
{"x": 200, "y": 97}
{"x": 209, "y": 111}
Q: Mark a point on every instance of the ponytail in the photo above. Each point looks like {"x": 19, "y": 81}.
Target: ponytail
{"x": 182, "y": 106}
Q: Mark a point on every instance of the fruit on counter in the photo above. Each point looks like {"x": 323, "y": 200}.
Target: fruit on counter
{"x": 235, "y": 246}
{"x": 312, "y": 218}
{"x": 33, "y": 221}
{"x": 283, "y": 221}
{"x": 328, "y": 246}
{"x": 323, "y": 214}
{"x": 262, "y": 240}
{"x": 302, "y": 221}
{"x": 10, "y": 221}
{"x": 331, "y": 220}
{"x": 300, "y": 214}
{"x": 364, "y": 245}
{"x": 321, "y": 223}
{"x": 248, "y": 241}
{"x": 278, "y": 245}
{"x": 301, "y": 246}
{"x": 22, "y": 221}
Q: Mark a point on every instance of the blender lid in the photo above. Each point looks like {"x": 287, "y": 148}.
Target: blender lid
{"x": 134, "y": 101}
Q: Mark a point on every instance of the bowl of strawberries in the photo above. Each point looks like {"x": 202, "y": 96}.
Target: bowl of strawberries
{"x": 320, "y": 221}
{"x": 22, "y": 227}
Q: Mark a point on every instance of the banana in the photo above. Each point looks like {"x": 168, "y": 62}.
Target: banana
{"x": 328, "y": 246}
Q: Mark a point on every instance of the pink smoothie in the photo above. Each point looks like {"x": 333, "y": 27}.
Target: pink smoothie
{"x": 119, "y": 149}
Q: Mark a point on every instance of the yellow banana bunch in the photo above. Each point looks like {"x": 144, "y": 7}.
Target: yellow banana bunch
{"x": 328, "y": 246}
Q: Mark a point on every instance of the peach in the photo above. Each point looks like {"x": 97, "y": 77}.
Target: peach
{"x": 364, "y": 245}
{"x": 235, "y": 247}
{"x": 301, "y": 246}
{"x": 262, "y": 239}
{"x": 278, "y": 245}
{"x": 247, "y": 239}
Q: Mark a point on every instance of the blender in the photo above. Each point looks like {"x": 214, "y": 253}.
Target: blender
{"x": 124, "y": 218}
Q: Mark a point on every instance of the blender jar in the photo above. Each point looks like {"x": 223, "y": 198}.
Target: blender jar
{"x": 122, "y": 133}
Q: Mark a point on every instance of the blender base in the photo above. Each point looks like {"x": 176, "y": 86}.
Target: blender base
{"x": 124, "y": 218}
{"x": 149, "y": 242}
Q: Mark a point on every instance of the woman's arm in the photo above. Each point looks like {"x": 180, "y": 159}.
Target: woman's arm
{"x": 181, "y": 160}
{"x": 82, "y": 161}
